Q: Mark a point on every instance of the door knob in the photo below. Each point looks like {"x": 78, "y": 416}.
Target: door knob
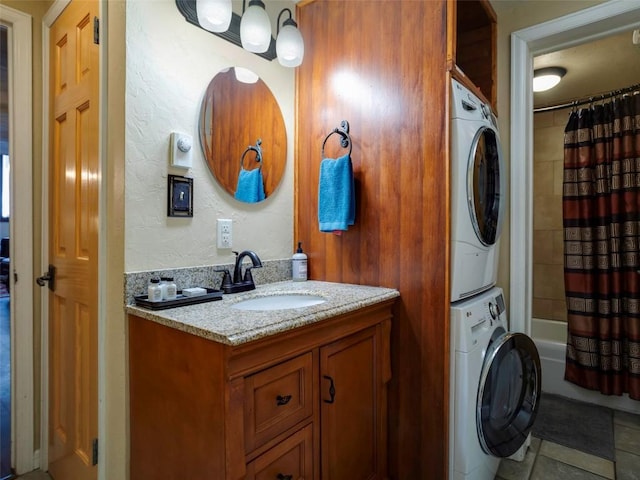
{"x": 48, "y": 277}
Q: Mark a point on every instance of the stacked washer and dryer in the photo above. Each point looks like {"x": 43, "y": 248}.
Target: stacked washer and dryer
{"x": 495, "y": 374}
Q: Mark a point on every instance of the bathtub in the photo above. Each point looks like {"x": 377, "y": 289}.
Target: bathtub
{"x": 552, "y": 358}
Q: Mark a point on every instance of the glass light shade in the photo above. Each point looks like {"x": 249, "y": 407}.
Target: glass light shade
{"x": 255, "y": 28}
{"x": 547, "y": 78}
{"x": 245, "y": 75}
{"x": 290, "y": 46}
{"x": 214, "y": 15}
{"x": 545, "y": 82}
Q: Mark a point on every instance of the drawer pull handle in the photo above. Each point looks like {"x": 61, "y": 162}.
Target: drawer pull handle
{"x": 332, "y": 390}
{"x": 282, "y": 399}
{"x": 282, "y": 476}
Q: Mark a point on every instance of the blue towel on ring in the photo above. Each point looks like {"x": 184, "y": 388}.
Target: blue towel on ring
{"x": 250, "y": 186}
{"x": 336, "y": 195}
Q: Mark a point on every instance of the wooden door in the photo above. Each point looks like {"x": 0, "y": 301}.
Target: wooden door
{"x": 73, "y": 243}
{"x": 350, "y": 414}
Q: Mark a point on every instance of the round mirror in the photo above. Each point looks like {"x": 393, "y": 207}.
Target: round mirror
{"x": 242, "y": 135}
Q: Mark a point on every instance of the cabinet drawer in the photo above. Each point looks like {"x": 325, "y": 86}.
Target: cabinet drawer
{"x": 277, "y": 398}
{"x": 291, "y": 459}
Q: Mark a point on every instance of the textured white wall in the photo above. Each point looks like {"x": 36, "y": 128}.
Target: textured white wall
{"x": 169, "y": 64}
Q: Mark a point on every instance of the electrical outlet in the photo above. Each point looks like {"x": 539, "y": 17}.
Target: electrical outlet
{"x": 225, "y": 233}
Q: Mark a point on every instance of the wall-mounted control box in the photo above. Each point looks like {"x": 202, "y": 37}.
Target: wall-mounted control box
{"x": 181, "y": 150}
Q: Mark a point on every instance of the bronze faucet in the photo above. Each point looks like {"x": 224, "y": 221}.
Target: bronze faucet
{"x": 240, "y": 283}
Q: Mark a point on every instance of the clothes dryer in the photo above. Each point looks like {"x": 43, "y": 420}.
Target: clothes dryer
{"x": 495, "y": 387}
{"x": 478, "y": 194}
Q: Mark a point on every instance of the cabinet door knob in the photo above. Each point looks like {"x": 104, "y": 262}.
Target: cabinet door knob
{"x": 282, "y": 399}
{"x": 332, "y": 390}
{"x": 282, "y": 476}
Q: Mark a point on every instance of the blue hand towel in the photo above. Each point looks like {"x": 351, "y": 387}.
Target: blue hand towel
{"x": 250, "y": 186}
{"x": 336, "y": 195}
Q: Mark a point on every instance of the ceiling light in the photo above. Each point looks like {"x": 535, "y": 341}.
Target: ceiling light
{"x": 214, "y": 15}
{"x": 255, "y": 28}
{"x": 547, "y": 78}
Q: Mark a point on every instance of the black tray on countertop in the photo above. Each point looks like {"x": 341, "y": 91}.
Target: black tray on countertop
{"x": 179, "y": 301}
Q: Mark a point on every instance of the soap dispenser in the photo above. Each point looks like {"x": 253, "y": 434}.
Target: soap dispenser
{"x": 299, "y": 265}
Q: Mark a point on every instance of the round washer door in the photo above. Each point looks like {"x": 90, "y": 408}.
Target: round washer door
{"x": 486, "y": 186}
{"x": 508, "y": 393}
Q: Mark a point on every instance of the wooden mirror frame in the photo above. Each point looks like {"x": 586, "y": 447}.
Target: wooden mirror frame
{"x": 235, "y": 115}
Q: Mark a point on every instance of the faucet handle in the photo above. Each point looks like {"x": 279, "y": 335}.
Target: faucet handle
{"x": 248, "y": 276}
{"x": 226, "y": 277}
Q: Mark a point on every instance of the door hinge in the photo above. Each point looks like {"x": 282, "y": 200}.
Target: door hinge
{"x": 96, "y": 31}
{"x": 94, "y": 460}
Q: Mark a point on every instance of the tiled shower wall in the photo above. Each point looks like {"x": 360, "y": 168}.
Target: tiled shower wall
{"x": 548, "y": 276}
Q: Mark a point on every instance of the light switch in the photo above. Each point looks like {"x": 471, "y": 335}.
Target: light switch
{"x": 181, "y": 149}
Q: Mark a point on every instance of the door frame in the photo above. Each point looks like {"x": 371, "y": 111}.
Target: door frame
{"x": 23, "y": 457}
{"x": 563, "y": 32}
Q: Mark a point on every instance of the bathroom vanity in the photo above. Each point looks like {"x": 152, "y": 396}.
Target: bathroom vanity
{"x": 218, "y": 392}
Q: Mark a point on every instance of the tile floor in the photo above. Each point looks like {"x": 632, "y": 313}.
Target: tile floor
{"x": 549, "y": 461}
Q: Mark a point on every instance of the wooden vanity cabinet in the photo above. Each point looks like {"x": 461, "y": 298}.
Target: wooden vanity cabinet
{"x": 291, "y": 459}
{"x": 310, "y": 403}
{"x": 352, "y": 422}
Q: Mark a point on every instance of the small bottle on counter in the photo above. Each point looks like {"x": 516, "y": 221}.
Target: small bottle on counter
{"x": 299, "y": 265}
{"x": 154, "y": 292}
{"x": 163, "y": 287}
{"x": 170, "y": 289}
{"x": 165, "y": 282}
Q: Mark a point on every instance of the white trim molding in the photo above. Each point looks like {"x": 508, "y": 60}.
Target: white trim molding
{"x": 587, "y": 25}
{"x": 20, "y": 231}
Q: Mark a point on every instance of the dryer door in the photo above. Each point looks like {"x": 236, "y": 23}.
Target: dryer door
{"x": 486, "y": 186}
{"x": 508, "y": 393}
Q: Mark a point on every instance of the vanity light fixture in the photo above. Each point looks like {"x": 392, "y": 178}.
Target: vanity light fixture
{"x": 214, "y": 15}
{"x": 289, "y": 43}
{"x": 547, "y": 78}
{"x": 251, "y": 31}
{"x": 255, "y": 28}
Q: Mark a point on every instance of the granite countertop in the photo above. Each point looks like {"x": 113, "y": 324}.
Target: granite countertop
{"x": 220, "y": 322}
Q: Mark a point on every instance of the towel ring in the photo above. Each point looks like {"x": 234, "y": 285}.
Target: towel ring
{"x": 257, "y": 148}
{"x": 343, "y": 131}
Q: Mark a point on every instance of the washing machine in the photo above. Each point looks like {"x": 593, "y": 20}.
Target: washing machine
{"x": 495, "y": 387}
{"x": 478, "y": 194}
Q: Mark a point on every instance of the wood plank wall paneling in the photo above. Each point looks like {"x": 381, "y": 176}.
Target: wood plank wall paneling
{"x": 381, "y": 65}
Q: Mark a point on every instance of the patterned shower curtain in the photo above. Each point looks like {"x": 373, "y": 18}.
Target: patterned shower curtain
{"x": 601, "y": 217}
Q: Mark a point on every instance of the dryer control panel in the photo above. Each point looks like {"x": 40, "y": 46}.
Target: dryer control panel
{"x": 476, "y": 317}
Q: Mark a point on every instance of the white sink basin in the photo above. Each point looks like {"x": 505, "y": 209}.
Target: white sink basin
{"x": 279, "y": 302}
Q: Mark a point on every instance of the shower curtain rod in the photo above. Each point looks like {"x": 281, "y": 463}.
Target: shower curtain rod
{"x": 584, "y": 101}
